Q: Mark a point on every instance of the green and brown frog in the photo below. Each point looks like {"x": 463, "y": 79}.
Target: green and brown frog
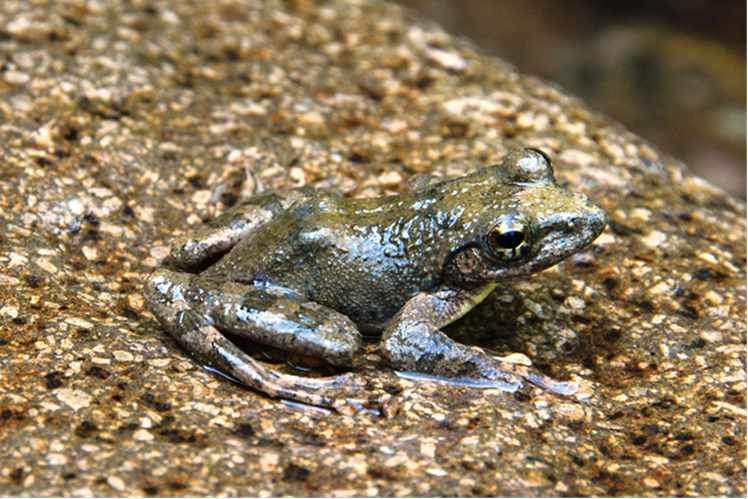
{"x": 308, "y": 271}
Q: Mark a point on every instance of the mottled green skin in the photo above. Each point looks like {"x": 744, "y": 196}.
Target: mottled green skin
{"x": 402, "y": 265}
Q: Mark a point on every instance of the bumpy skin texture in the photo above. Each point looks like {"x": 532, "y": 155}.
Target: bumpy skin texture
{"x": 307, "y": 270}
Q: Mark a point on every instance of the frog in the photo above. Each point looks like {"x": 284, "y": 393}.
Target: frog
{"x": 310, "y": 271}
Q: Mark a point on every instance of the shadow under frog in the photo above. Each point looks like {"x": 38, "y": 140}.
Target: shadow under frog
{"x": 307, "y": 271}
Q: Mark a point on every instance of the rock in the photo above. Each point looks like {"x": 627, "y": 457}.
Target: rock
{"x": 125, "y": 124}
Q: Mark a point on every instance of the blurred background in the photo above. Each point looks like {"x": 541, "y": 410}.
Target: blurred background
{"x": 672, "y": 71}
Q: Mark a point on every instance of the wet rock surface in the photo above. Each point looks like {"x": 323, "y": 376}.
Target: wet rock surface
{"x": 125, "y": 124}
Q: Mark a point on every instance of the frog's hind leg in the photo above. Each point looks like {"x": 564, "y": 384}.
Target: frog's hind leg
{"x": 206, "y": 343}
{"x": 198, "y": 249}
{"x": 173, "y": 298}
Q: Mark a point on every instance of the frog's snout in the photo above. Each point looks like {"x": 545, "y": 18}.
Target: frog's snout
{"x": 598, "y": 218}
{"x": 591, "y": 215}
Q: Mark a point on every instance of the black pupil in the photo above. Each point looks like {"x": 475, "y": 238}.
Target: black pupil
{"x": 510, "y": 239}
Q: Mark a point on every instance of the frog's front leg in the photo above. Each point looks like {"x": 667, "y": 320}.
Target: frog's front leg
{"x": 194, "y": 309}
{"x": 413, "y": 342}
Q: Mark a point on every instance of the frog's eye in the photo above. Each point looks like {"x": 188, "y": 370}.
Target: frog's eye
{"x": 510, "y": 238}
{"x": 544, "y": 155}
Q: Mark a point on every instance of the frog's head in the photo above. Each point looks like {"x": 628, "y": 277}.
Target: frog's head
{"x": 523, "y": 221}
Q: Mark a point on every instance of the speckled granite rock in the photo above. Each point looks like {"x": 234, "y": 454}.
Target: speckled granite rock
{"x": 123, "y": 124}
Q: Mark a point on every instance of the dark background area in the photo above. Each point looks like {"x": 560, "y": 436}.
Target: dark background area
{"x": 672, "y": 71}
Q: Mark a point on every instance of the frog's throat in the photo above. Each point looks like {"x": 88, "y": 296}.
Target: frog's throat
{"x": 467, "y": 305}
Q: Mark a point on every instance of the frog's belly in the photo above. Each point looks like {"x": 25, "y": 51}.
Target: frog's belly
{"x": 368, "y": 303}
